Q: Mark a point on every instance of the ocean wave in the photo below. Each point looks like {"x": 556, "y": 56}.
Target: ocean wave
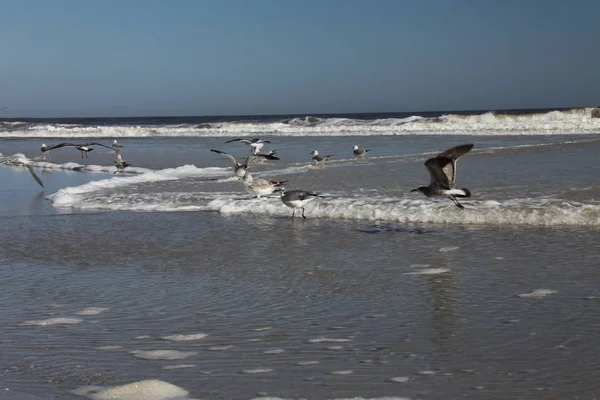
{"x": 574, "y": 121}
{"x": 537, "y": 212}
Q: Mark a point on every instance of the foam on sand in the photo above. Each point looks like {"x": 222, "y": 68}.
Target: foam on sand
{"x": 91, "y": 311}
{"x": 53, "y": 321}
{"x": 141, "y": 390}
{"x": 257, "y": 371}
{"x": 327, "y": 340}
{"x": 537, "y": 294}
{"x": 163, "y": 354}
{"x": 178, "y": 366}
{"x": 428, "y": 271}
{"x": 185, "y": 338}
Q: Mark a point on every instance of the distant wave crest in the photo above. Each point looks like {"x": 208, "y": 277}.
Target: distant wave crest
{"x": 573, "y": 121}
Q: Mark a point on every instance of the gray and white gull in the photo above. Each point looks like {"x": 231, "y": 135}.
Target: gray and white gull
{"x": 239, "y": 168}
{"x": 297, "y": 199}
{"x": 442, "y": 171}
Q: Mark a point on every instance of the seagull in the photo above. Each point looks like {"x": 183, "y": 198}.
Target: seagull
{"x": 260, "y": 187}
{"x": 16, "y": 160}
{"x": 360, "y": 153}
{"x": 297, "y": 199}
{"x": 83, "y": 148}
{"x": 319, "y": 160}
{"x": 116, "y": 146}
{"x": 120, "y": 163}
{"x": 266, "y": 156}
{"x": 240, "y": 169}
{"x": 442, "y": 170}
{"x": 255, "y": 144}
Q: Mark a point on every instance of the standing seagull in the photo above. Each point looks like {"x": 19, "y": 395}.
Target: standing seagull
{"x": 319, "y": 160}
{"x": 360, "y": 153}
{"x": 260, "y": 187}
{"x": 442, "y": 170}
{"x": 120, "y": 163}
{"x": 255, "y": 144}
{"x": 297, "y": 199}
{"x": 240, "y": 169}
{"x": 116, "y": 146}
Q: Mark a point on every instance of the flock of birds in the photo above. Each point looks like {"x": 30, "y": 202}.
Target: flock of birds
{"x": 441, "y": 168}
{"x": 442, "y": 172}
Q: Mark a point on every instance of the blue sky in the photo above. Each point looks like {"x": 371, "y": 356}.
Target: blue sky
{"x": 227, "y": 57}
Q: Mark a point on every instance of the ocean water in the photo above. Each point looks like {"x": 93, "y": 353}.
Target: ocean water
{"x": 171, "y": 282}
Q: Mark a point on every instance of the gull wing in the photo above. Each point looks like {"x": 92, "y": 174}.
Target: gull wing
{"x": 232, "y": 158}
{"x": 58, "y": 146}
{"x": 250, "y": 160}
{"x": 267, "y": 156}
{"x": 238, "y": 140}
{"x": 97, "y": 144}
{"x": 437, "y": 167}
{"x": 453, "y": 154}
{"x": 32, "y": 172}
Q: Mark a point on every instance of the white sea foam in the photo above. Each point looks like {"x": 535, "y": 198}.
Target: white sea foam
{"x": 92, "y": 311}
{"x": 576, "y": 121}
{"x": 109, "y": 348}
{"x": 274, "y": 351}
{"x": 343, "y": 372}
{"x": 532, "y": 212}
{"x": 142, "y": 390}
{"x": 428, "y": 271}
{"x": 537, "y": 294}
{"x": 399, "y": 379}
{"x": 221, "y": 348}
{"x": 408, "y": 210}
{"x": 53, "y": 321}
{"x": 75, "y": 196}
{"x": 183, "y": 338}
{"x": 327, "y": 340}
{"x": 163, "y": 354}
{"x": 306, "y": 363}
{"x": 178, "y": 366}
{"x": 257, "y": 371}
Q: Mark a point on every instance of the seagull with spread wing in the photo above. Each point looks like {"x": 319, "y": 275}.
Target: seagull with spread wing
{"x": 255, "y": 144}
{"x": 442, "y": 170}
{"x": 83, "y": 148}
{"x": 239, "y": 168}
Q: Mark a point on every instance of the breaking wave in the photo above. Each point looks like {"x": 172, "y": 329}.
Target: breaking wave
{"x": 573, "y": 121}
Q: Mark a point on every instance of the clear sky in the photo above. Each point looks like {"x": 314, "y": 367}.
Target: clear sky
{"x": 227, "y": 57}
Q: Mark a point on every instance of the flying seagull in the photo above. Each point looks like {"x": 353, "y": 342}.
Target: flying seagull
{"x": 240, "y": 169}
{"x": 442, "y": 170}
{"x": 297, "y": 199}
{"x": 266, "y": 156}
{"x": 260, "y": 187}
{"x": 319, "y": 160}
{"x": 83, "y": 148}
{"x": 255, "y": 144}
{"x": 359, "y": 153}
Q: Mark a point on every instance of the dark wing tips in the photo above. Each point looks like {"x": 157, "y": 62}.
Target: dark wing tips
{"x": 217, "y": 151}
{"x": 233, "y": 140}
{"x": 34, "y": 175}
{"x": 456, "y": 152}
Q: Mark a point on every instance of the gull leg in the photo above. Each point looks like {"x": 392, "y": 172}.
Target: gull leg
{"x": 456, "y": 202}
{"x": 303, "y": 213}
